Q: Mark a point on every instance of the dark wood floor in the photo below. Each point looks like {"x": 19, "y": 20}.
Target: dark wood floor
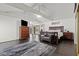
{"x": 65, "y": 48}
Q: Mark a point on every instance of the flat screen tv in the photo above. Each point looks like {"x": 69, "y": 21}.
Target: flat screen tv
{"x": 24, "y": 23}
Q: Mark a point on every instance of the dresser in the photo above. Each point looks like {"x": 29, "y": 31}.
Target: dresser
{"x": 24, "y": 32}
{"x": 68, "y": 35}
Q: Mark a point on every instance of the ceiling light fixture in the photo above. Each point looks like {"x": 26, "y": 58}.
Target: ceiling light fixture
{"x": 37, "y": 15}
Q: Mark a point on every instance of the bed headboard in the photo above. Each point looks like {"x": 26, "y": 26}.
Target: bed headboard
{"x": 57, "y": 28}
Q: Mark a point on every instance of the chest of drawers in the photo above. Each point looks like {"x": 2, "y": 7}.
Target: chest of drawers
{"x": 68, "y": 35}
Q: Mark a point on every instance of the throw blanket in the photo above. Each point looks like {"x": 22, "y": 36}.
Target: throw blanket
{"x": 29, "y": 49}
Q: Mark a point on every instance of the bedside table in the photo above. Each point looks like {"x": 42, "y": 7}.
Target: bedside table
{"x": 68, "y": 35}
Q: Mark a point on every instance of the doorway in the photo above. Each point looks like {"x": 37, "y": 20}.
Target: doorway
{"x": 77, "y": 21}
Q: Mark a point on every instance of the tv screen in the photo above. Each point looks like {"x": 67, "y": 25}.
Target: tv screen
{"x": 24, "y": 23}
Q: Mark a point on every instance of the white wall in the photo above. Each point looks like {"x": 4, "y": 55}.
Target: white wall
{"x": 8, "y": 28}
{"x": 69, "y": 24}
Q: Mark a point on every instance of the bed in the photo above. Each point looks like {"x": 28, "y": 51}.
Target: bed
{"x": 53, "y": 35}
{"x": 33, "y": 48}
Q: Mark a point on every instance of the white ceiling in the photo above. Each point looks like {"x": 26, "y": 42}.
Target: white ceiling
{"x": 48, "y": 10}
{"x": 60, "y": 10}
{"x": 4, "y": 7}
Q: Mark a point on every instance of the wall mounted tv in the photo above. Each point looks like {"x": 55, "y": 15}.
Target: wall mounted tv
{"x": 24, "y": 23}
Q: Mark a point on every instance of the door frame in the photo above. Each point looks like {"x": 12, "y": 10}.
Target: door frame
{"x": 77, "y": 28}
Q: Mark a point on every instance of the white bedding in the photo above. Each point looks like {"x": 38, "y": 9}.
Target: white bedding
{"x": 59, "y": 33}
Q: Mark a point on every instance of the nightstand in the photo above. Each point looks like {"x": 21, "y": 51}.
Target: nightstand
{"x": 68, "y": 35}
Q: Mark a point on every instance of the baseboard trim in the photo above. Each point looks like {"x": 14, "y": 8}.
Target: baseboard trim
{"x": 8, "y": 41}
